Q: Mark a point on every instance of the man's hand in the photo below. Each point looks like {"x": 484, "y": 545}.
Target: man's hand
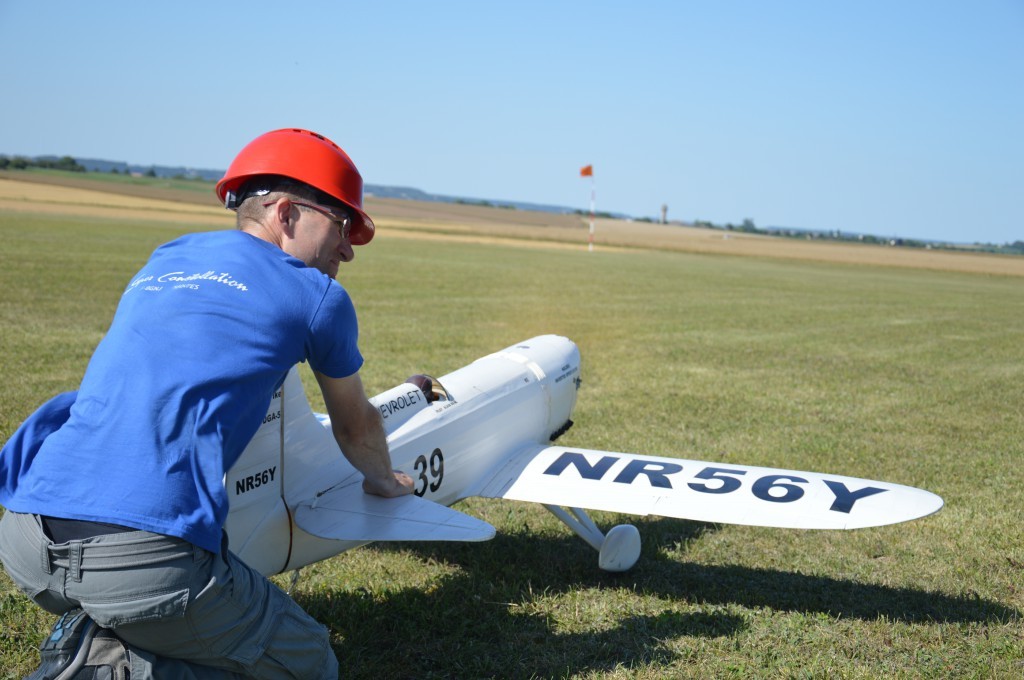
{"x": 358, "y": 429}
{"x": 399, "y": 484}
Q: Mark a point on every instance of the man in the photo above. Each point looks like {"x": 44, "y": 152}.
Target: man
{"x": 114, "y": 494}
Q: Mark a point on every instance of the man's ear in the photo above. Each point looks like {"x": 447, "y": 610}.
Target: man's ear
{"x": 283, "y": 214}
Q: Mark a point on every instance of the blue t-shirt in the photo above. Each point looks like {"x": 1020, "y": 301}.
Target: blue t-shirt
{"x": 202, "y": 337}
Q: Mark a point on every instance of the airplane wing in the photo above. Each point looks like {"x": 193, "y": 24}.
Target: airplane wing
{"x": 707, "y": 492}
{"x": 346, "y": 513}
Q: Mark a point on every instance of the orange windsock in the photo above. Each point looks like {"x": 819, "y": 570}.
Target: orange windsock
{"x": 587, "y": 171}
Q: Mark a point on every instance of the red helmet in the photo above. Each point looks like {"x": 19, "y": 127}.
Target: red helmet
{"x": 309, "y": 158}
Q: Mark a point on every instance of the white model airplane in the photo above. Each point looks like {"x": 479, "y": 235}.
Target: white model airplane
{"x": 487, "y": 430}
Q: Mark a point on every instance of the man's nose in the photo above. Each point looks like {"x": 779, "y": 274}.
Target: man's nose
{"x": 346, "y": 251}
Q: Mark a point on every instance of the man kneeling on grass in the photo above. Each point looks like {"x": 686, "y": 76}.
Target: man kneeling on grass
{"x": 114, "y": 494}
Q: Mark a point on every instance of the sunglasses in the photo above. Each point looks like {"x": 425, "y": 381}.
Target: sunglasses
{"x": 342, "y": 218}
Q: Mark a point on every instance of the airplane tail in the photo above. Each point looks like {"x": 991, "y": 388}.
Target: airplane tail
{"x": 342, "y": 515}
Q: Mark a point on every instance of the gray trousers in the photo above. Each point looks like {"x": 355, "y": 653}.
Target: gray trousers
{"x": 193, "y": 613}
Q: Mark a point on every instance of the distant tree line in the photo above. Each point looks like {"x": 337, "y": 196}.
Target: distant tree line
{"x": 748, "y": 226}
{"x": 69, "y": 164}
{"x": 21, "y": 163}
{"x": 484, "y": 204}
{"x": 599, "y": 213}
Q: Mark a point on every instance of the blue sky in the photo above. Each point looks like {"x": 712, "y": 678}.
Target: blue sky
{"x": 897, "y": 118}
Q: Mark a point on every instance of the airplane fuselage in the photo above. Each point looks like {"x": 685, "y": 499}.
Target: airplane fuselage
{"x": 486, "y": 411}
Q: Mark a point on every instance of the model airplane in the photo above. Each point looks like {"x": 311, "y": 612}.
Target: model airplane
{"x": 488, "y": 430}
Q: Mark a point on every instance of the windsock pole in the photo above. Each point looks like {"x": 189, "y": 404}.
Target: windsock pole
{"x": 588, "y": 171}
{"x": 590, "y": 238}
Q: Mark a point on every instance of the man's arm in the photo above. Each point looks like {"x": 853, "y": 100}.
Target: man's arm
{"x": 359, "y": 432}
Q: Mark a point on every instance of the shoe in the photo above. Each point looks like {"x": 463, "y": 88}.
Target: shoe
{"x": 64, "y": 650}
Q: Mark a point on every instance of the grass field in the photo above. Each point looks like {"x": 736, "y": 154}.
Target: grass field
{"x": 901, "y": 373}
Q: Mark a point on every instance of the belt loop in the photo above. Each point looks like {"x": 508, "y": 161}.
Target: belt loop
{"x": 44, "y": 553}
{"x": 75, "y": 561}
{"x": 44, "y": 544}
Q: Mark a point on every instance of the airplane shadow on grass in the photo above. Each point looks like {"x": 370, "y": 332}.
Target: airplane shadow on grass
{"x": 480, "y": 622}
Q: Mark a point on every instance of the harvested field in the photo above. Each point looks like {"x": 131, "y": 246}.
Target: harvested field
{"x": 20, "y": 196}
{"x": 423, "y": 219}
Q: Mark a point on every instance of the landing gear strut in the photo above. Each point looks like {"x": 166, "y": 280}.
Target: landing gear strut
{"x": 618, "y": 550}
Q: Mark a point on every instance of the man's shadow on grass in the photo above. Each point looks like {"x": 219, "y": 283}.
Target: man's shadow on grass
{"x": 481, "y": 622}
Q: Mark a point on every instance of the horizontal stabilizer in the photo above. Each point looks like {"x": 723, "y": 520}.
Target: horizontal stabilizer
{"x": 348, "y": 514}
{"x": 706, "y": 492}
